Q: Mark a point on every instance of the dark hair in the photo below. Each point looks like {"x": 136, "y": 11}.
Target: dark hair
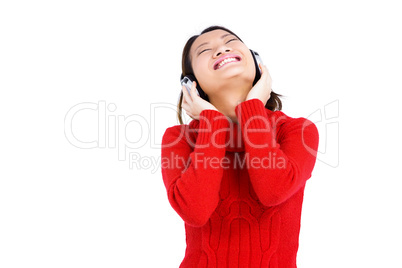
{"x": 274, "y": 103}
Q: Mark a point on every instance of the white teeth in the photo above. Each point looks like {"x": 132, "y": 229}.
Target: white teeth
{"x": 226, "y": 61}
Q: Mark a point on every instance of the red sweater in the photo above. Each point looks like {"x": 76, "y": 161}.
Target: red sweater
{"x": 239, "y": 187}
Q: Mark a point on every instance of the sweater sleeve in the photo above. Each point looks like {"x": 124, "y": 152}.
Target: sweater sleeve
{"x": 276, "y": 170}
{"x": 192, "y": 174}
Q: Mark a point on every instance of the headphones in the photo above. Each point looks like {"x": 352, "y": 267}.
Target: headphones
{"x": 188, "y": 80}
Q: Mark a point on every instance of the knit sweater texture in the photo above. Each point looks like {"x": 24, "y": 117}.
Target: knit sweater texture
{"x": 239, "y": 186}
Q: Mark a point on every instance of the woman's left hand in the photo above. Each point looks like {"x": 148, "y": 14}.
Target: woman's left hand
{"x": 262, "y": 89}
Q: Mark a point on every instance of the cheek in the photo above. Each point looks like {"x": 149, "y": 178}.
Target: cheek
{"x": 200, "y": 67}
{"x": 250, "y": 63}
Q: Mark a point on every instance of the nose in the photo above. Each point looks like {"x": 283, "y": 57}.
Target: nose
{"x": 221, "y": 50}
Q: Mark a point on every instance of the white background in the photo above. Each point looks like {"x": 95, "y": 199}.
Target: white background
{"x": 65, "y": 206}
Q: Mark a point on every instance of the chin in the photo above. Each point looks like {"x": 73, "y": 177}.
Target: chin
{"x": 239, "y": 74}
{"x": 237, "y": 71}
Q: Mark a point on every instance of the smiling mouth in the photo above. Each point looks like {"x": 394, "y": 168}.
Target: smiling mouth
{"x": 226, "y": 61}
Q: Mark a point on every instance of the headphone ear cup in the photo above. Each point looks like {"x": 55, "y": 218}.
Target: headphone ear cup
{"x": 192, "y": 78}
{"x": 257, "y": 69}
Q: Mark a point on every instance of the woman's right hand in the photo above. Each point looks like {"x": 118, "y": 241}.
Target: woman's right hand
{"x": 194, "y": 104}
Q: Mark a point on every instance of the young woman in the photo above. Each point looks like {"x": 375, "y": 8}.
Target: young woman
{"x": 236, "y": 173}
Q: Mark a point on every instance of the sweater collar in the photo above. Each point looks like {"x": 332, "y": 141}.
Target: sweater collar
{"x": 234, "y": 140}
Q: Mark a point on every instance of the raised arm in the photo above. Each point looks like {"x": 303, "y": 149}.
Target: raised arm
{"x": 192, "y": 176}
{"x": 277, "y": 168}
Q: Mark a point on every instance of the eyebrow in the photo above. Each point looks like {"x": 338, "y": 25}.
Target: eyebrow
{"x": 206, "y": 43}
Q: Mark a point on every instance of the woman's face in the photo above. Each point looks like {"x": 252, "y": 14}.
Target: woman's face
{"x": 217, "y": 56}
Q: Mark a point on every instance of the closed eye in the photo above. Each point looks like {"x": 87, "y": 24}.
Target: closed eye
{"x": 203, "y": 51}
{"x": 234, "y": 39}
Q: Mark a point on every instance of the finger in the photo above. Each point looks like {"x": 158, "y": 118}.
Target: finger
{"x": 185, "y": 105}
{"x": 193, "y": 90}
{"x": 264, "y": 69}
{"x": 183, "y": 100}
{"x": 184, "y": 89}
{"x": 186, "y": 96}
{"x": 267, "y": 73}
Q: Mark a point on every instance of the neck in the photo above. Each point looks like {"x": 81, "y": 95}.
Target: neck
{"x": 227, "y": 100}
